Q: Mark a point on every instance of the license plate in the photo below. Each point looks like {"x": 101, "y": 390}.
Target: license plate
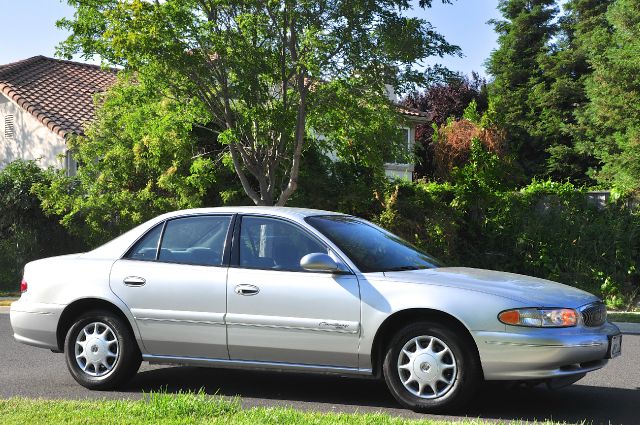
{"x": 615, "y": 346}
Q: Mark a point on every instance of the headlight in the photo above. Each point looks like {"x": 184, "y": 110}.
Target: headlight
{"x": 540, "y": 317}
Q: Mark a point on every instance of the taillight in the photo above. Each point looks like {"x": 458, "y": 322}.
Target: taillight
{"x": 23, "y": 286}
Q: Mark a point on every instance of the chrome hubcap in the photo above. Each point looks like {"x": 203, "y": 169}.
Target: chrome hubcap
{"x": 97, "y": 349}
{"x": 427, "y": 367}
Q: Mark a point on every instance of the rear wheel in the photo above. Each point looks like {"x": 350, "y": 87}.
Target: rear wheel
{"x": 100, "y": 351}
{"x": 429, "y": 367}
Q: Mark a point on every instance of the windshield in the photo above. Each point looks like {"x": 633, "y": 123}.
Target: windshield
{"x": 371, "y": 248}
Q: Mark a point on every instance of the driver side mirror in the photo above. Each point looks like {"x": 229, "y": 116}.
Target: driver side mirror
{"x": 319, "y": 262}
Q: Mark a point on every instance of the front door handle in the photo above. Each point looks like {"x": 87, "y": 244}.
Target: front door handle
{"x": 134, "y": 281}
{"x": 246, "y": 289}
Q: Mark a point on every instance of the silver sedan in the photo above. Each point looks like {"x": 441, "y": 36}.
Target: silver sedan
{"x": 305, "y": 290}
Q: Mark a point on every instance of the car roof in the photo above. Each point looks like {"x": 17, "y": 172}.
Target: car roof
{"x": 291, "y": 212}
{"x": 117, "y": 246}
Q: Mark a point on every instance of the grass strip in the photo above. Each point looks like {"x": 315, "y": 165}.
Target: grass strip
{"x": 6, "y": 303}
{"x": 625, "y": 316}
{"x": 187, "y": 408}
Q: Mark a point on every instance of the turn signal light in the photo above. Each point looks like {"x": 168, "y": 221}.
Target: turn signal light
{"x": 540, "y": 317}
{"x": 510, "y": 317}
{"x": 23, "y": 286}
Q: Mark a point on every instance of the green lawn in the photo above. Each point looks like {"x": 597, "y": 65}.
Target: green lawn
{"x": 165, "y": 409}
{"x": 628, "y": 317}
{"x": 12, "y": 294}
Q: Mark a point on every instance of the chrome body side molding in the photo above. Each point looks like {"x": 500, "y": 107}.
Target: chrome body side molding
{"x": 256, "y": 365}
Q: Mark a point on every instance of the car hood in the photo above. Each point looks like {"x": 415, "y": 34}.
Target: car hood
{"x": 531, "y": 291}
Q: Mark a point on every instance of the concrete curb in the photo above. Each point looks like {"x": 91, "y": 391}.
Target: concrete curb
{"x": 4, "y": 310}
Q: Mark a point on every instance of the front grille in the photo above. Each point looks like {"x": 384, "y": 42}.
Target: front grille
{"x": 594, "y": 314}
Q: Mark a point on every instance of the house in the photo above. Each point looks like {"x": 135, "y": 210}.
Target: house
{"x": 401, "y": 169}
{"x": 43, "y": 101}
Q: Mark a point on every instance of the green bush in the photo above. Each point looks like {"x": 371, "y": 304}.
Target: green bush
{"x": 342, "y": 186}
{"x": 25, "y": 232}
{"x": 423, "y": 213}
{"x": 546, "y": 229}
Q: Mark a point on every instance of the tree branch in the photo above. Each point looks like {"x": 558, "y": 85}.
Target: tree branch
{"x": 243, "y": 178}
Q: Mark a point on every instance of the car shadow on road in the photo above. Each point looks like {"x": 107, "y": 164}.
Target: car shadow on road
{"x": 330, "y": 393}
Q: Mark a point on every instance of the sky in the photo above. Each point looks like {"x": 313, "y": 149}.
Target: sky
{"x": 31, "y": 29}
{"x": 464, "y": 23}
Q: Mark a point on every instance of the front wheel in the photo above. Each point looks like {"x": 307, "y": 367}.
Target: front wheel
{"x": 429, "y": 367}
{"x": 100, "y": 351}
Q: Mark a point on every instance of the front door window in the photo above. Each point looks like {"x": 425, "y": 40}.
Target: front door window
{"x": 267, "y": 243}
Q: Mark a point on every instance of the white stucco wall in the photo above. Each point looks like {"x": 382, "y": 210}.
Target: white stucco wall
{"x": 32, "y": 140}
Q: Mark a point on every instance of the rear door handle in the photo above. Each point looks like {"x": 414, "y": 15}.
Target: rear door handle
{"x": 134, "y": 281}
{"x": 246, "y": 289}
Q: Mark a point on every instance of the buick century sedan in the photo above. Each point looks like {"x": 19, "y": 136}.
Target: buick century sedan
{"x": 304, "y": 290}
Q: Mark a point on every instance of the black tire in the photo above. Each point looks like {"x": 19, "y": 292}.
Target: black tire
{"x": 463, "y": 379}
{"x": 122, "y": 368}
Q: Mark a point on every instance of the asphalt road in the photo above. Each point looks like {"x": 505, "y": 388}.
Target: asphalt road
{"x": 610, "y": 395}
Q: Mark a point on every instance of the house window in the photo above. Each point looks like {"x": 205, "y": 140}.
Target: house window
{"x": 9, "y": 127}
{"x": 401, "y": 148}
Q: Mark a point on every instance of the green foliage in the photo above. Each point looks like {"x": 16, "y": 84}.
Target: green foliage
{"x": 424, "y": 214}
{"x": 471, "y": 113}
{"x": 562, "y": 98}
{"x": 563, "y": 237}
{"x": 362, "y": 136}
{"x": 567, "y": 92}
{"x": 613, "y": 114}
{"x": 266, "y": 71}
{"x": 524, "y": 35}
{"x": 340, "y": 185}
{"x": 25, "y": 232}
{"x": 139, "y": 158}
{"x": 485, "y": 172}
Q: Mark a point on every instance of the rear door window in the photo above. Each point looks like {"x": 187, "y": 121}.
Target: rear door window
{"x": 195, "y": 240}
{"x": 147, "y": 247}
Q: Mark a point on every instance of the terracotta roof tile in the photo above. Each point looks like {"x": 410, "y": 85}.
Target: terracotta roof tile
{"x": 413, "y": 112}
{"x": 58, "y": 93}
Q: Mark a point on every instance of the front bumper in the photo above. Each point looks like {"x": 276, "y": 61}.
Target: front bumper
{"x": 539, "y": 354}
{"x": 36, "y": 323}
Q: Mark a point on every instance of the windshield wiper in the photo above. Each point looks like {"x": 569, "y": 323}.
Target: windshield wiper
{"x": 406, "y": 268}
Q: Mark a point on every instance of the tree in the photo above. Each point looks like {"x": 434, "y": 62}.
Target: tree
{"x": 443, "y": 101}
{"x": 613, "y": 114}
{"x": 140, "y": 157}
{"x": 562, "y": 97}
{"x": 266, "y": 71}
{"x": 524, "y": 36}
{"x": 26, "y": 234}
